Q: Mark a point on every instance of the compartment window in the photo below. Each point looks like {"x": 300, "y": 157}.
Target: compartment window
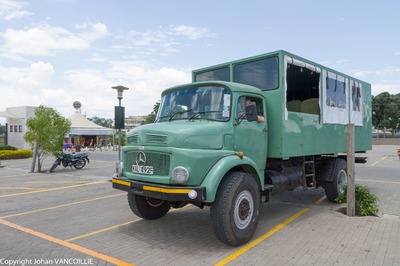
{"x": 302, "y": 87}
{"x": 221, "y": 74}
{"x": 335, "y": 91}
{"x": 262, "y": 74}
{"x": 335, "y": 95}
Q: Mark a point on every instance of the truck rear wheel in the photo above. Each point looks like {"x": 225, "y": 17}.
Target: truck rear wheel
{"x": 339, "y": 177}
{"x": 235, "y": 211}
{"x": 147, "y": 208}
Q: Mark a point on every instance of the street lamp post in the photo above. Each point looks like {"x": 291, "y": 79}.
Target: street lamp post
{"x": 119, "y": 118}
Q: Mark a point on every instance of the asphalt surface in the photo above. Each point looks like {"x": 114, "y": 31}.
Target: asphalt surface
{"x": 74, "y": 217}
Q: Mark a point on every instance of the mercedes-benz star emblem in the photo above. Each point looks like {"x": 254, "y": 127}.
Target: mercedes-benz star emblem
{"x": 141, "y": 159}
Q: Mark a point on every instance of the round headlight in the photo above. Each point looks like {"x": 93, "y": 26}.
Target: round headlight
{"x": 180, "y": 175}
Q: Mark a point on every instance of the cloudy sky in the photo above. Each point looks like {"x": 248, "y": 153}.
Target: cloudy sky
{"x": 55, "y": 52}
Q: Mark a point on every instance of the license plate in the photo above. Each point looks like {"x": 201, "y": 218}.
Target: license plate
{"x": 148, "y": 170}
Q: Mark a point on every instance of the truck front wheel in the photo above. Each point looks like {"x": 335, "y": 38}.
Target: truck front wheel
{"x": 235, "y": 211}
{"x": 339, "y": 177}
{"x": 147, "y": 208}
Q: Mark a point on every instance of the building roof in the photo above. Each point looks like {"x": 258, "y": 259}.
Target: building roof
{"x": 80, "y": 125}
{"x": 7, "y": 115}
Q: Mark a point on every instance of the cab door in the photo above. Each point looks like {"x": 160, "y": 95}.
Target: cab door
{"x": 251, "y": 137}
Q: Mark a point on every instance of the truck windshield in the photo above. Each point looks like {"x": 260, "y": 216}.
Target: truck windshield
{"x": 201, "y": 102}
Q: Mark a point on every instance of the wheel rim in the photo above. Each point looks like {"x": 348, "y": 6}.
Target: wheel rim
{"x": 154, "y": 202}
{"x": 243, "y": 211}
{"x": 80, "y": 164}
{"x": 342, "y": 179}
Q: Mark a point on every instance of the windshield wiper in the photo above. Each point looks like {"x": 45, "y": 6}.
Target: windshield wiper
{"x": 179, "y": 112}
{"x": 197, "y": 114}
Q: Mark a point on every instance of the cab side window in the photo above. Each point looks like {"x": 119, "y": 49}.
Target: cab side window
{"x": 244, "y": 101}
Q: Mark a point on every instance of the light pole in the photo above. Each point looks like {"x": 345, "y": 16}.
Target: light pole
{"x": 119, "y": 118}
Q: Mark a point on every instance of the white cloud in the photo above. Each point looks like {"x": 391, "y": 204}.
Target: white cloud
{"x": 33, "y": 85}
{"x": 391, "y": 88}
{"x": 145, "y": 82}
{"x": 163, "y": 40}
{"x": 172, "y": 76}
{"x": 10, "y": 9}
{"x": 96, "y": 32}
{"x": 85, "y": 82}
{"x": 96, "y": 58}
{"x": 30, "y": 86}
{"x": 385, "y": 80}
{"x": 387, "y": 71}
{"x": 41, "y": 40}
{"x": 341, "y": 62}
{"x": 193, "y": 33}
{"x": 360, "y": 73}
{"x": 41, "y": 83}
{"x": 33, "y": 78}
{"x": 44, "y": 40}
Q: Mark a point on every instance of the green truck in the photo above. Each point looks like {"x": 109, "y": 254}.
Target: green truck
{"x": 241, "y": 132}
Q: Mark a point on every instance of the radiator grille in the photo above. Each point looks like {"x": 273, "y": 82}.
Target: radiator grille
{"x": 159, "y": 161}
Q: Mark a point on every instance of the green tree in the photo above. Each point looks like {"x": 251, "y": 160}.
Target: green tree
{"x": 104, "y": 122}
{"x": 2, "y": 129}
{"x": 2, "y": 133}
{"x": 150, "y": 117}
{"x": 115, "y": 136}
{"x": 386, "y": 110}
{"x": 46, "y": 132}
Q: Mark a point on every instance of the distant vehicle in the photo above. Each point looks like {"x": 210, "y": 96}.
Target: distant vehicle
{"x": 376, "y": 133}
{"x": 77, "y": 160}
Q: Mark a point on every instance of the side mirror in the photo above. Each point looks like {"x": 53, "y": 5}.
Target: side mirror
{"x": 251, "y": 113}
{"x": 152, "y": 118}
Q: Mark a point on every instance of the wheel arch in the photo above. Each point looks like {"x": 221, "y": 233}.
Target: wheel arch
{"x": 219, "y": 171}
{"x": 325, "y": 169}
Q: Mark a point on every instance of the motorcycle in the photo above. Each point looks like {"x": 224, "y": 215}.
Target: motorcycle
{"x": 398, "y": 153}
{"x": 77, "y": 160}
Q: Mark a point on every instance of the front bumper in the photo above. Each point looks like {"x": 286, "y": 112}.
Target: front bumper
{"x": 169, "y": 193}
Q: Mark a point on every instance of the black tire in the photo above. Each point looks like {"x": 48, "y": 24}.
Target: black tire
{"x": 80, "y": 164}
{"x": 235, "y": 211}
{"x": 339, "y": 177}
{"x": 53, "y": 167}
{"x": 148, "y": 208}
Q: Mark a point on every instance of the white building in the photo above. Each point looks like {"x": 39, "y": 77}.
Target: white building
{"x": 134, "y": 121}
{"x": 16, "y": 125}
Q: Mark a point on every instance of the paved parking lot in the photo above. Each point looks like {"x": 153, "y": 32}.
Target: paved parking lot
{"x": 74, "y": 217}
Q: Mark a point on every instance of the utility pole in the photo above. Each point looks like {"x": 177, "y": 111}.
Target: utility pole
{"x": 351, "y": 209}
{"x": 119, "y": 120}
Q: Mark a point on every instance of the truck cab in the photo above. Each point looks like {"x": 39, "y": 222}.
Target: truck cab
{"x": 200, "y": 128}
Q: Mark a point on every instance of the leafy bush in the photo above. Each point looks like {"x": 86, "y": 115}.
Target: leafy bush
{"x": 15, "y": 154}
{"x": 7, "y": 147}
{"x": 366, "y": 202}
